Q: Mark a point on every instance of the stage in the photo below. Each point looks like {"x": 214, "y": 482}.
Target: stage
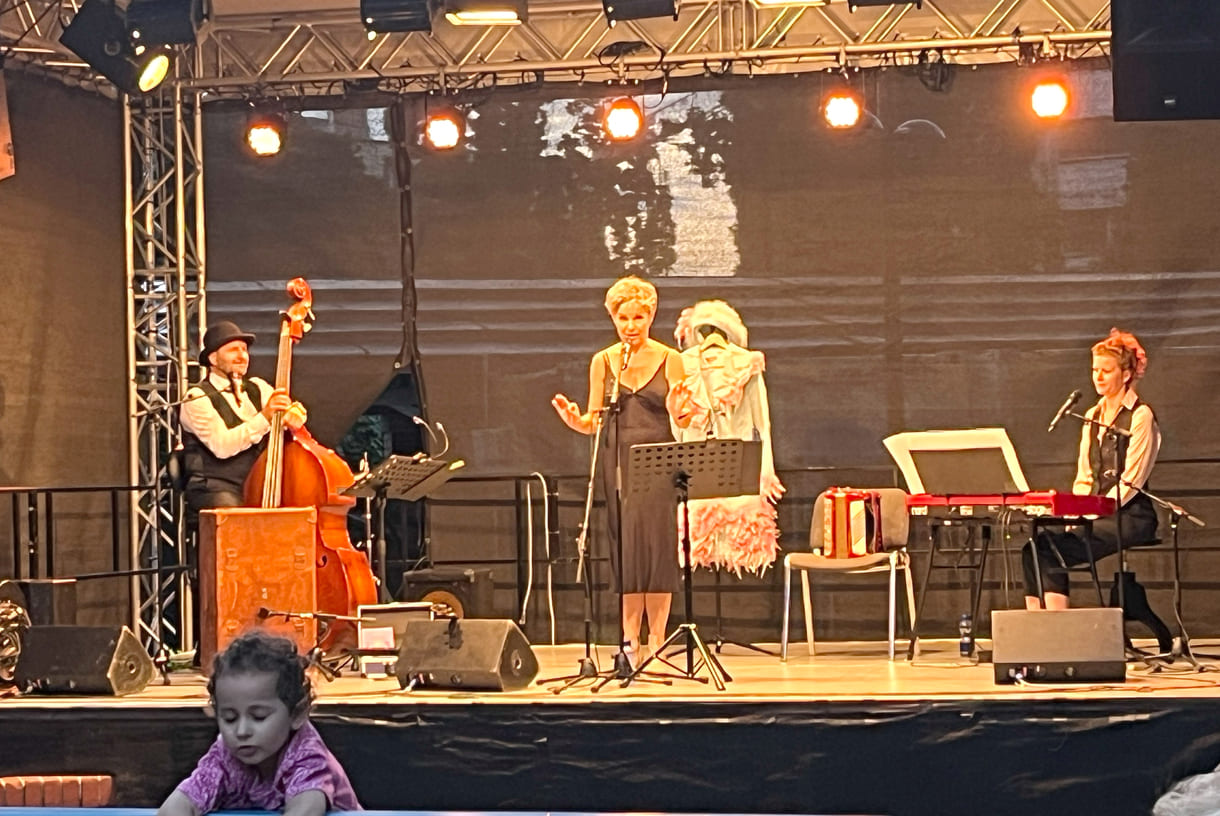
{"x": 846, "y": 731}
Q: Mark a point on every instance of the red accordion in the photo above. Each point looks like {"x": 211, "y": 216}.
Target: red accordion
{"x": 851, "y": 521}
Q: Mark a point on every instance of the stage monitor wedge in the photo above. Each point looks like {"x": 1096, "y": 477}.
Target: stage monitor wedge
{"x": 1165, "y": 59}
{"x": 1058, "y": 646}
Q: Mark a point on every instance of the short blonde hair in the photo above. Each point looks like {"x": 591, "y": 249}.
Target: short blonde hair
{"x": 1123, "y": 346}
{"x": 631, "y": 288}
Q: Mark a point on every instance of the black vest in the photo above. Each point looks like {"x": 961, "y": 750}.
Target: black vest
{"x": 1105, "y": 457}
{"x": 199, "y": 461}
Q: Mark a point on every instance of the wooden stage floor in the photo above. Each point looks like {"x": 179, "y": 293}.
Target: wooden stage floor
{"x": 843, "y": 671}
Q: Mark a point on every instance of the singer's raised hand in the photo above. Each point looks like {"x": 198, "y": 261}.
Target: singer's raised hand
{"x": 570, "y": 413}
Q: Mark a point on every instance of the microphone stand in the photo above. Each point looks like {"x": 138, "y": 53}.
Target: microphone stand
{"x": 587, "y": 668}
{"x": 316, "y": 657}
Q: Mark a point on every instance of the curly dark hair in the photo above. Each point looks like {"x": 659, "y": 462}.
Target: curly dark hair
{"x": 262, "y": 652}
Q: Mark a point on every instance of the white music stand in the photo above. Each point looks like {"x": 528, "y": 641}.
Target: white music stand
{"x": 958, "y": 462}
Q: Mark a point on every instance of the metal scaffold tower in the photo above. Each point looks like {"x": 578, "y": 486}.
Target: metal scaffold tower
{"x": 163, "y": 162}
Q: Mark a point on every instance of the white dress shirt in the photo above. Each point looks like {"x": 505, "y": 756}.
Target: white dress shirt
{"x": 1142, "y": 450}
{"x": 200, "y": 417}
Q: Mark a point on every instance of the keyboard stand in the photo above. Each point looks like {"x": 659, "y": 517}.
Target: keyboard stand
{"x": 976, "y": 564}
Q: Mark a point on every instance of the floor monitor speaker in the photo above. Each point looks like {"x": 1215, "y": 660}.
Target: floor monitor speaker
{"x": 1066, "y": 646}
{"x": 491, "y": 655}
{"x": 106, "y": 660}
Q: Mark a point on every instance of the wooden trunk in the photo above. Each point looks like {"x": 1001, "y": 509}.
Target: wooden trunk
{"x": 253, "y": 562}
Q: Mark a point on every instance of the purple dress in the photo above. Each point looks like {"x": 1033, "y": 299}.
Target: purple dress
{"x": 221, "y": 781}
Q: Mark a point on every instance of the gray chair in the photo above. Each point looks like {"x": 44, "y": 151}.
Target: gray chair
{"x": 895, "y": 525}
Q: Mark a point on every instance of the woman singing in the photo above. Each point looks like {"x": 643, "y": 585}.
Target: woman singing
{"x": 1109, "y": 464}
{"x": 644, "y": 379}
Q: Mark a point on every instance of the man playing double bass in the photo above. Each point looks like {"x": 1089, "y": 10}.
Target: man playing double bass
{"x": 225, "y": 421}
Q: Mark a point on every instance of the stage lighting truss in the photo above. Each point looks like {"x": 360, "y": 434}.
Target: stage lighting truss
{"x": 382, "y": 16}
{"x": 616, "y": 10}
{"x": 852, "y": 5}
{"x": 842, "y": 108}
{"x": 251, "y": 47}
{"x": 98, "y": 34}
{"x": 622, "y": 119}
{"x": 266, "y": 128}
{"x": 444, "y": 127}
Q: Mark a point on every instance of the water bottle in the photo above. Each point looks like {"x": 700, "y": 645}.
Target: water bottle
{"x": 965, "y": 630}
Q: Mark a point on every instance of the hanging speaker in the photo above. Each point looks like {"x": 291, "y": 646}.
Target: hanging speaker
{"x": 491, "y": 655}
{"x": 105, "y": 660}
{"x": 1165, "y": 59}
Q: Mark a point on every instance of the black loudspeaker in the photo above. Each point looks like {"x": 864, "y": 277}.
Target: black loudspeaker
{"x": 467, "y": 592}
{"x": 467, "y": 654}
{"x": 1068, "y": 646}
{"x": 1165, "y": 59}
{"x": 48, "y": 601}
{"x": 105, "y": 660}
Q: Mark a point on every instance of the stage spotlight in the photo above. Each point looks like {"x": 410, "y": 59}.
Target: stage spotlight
{"x": 485, "y": 12}
{"x": 380, "y": 16}
{"x": 638, "y": 9}
{"x": 164, "y": 22}
{"x": 842, "y": 109}
{"x": 265, "y": 130}
{"x": 444, "y": 128}
{"x": 1049, "y": 98}
{"x": 622, "y": 120}
{"x": 98, "y": 35}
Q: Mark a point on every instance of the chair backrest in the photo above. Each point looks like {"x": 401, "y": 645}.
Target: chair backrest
{"x": 895, "y": 520}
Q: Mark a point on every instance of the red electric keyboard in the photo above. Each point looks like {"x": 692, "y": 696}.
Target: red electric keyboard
{"x": 1035, "y": 503}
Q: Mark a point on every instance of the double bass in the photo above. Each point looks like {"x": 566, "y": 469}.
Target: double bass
{"x": 295, "y": 470}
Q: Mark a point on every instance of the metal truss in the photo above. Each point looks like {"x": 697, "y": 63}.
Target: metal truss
{"x": 163, "y": 160}
{"x": 319, "y": 47}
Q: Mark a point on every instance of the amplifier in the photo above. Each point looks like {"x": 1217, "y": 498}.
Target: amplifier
{"x": 1058, "y": 646}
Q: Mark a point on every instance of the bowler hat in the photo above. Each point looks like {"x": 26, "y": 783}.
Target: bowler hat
{"x": 220, "y": 333}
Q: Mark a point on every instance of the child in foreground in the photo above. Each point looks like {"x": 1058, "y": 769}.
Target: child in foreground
{"x": 268, "y": 756}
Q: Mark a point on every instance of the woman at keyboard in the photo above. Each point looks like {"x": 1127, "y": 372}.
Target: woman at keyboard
{"x": 1109, "y": 464}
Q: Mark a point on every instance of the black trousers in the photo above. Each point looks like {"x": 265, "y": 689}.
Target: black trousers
{"x": 1139, "y": 526}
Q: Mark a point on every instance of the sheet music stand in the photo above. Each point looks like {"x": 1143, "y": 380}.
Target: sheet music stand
{"x": 408, "y": 478}
{"x": 710, "y": 469}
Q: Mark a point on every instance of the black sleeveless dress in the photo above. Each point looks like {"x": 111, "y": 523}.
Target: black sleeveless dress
{"x": 649, "y": 521}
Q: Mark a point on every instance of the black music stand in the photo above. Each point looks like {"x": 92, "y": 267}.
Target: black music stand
{"x": 408, "y": 478}
{"x": 711, "y": 469}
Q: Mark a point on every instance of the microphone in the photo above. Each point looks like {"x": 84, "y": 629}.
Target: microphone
{"x": 1068, "y": 404}
{"x": 263, "y": 613}
{"x": 618, "y": 378}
